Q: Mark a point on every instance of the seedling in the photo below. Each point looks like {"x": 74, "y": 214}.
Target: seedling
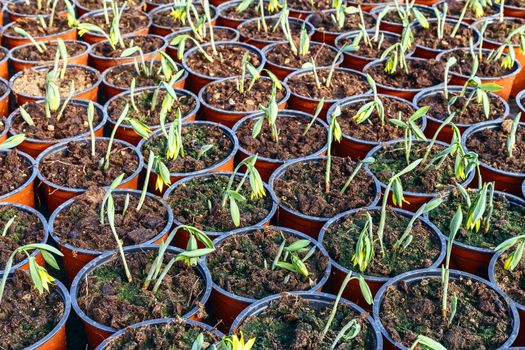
{"x": 341, "y": 10}
{"x": 151, "y": 160}
{"x": 367, "y": 160}
{"x": 7, "y": 225}
{"x": 427, "y": 343}
{"x": 364, "y": 249}
{"x": 318, "y": 111}
{"x": 273, "y": 5}
{"x": 479, "y": 210}
{"x": 477, "y": 6}
{"x": 105, "y": 162}
{"x": 407, "y": 14}
{"x": 507, "y": 47}
{"x": 455, "y": 224}
{"x": 52, "y": 97}
{"x": 395, "y": 55}
{"x": 348, "y": 332}
{"x": 511, "y": 138}
{"x": 114, "y": 37}
{"x": 48, "y": 21}
{"x": 334, "y": 133}
{"x": 291, "y": 260}
{"x": 365, "y": 112}
{"x": 233, "y": 342}
{"x": 90, "y": 119}
{"x": 270, "y": 114}
{"x": 12, "y": 142}
{"x": 411, "y": 129}
{"x": 513, "y": 259}
{"x": 168, "y": 70}
{"x": 441, "y": 19}
{"x": 312, "y": 66}
{"x": 304, "y": 40}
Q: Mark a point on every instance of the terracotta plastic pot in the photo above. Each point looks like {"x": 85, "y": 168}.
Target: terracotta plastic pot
{"x": 433, "y": 124}
{"x": 25, "y": 194}
{"x": 466, "y": 19}
{"x": 223, "y": 20}
{"x": 217, "y": 2}
{"x": 14, "y": 41}
{"x": 196, "y": 81}
{"x": 319, "y": 299}
{"x": 15, "y": 16}
{"x": 353, "y": 292}
{"x": 76, "y": 258}
{"x": 82, "y": 10}
{"x": 226, "y": 306}
{"x": 359, "y": 148}
{"x": 4, "y": 69}
{"x": 101, "y": 63}
{"x": 56, "y": 194}
{"x": 266, "y": 166}
{"x": 4, "y": 99}
{"x": 158, "y": 323}
{"x": 21, "y": 64}
{"x": 427, "y": 2}
{"x": 34, "y": 147}
{"x": 224, "y": 165}
{"x": 292, "y": 218}
{"x": 505, "y": 180}
{"x": 97, "y": 332}
{"x": 6, "y": 126}
{"x": 415, "y": 200}
{"x": 229, "y": 118}
{"x": 181, "y": 238}
{"x": 417, "y": 275}
{"x": 90, "y": 94}
{"x": 513, "y": 11}
{"x": 395, "y": 27}
{"x": 166, "y": 30}
{"x": 308, "y": 104}
{"x": 519, "y": 103}
{"x": 365, "y": 6}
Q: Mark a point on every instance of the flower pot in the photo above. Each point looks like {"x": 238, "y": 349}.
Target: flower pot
{"x": 34, "y": 147}
{"x": 4, "y": 123}
{"x": 514, "y": 11}
{"x": 25, "y": 194}
{"x": 455, "y": 9}
{"x": 397, "y": 27}
{"x": 226, "y": 306}
{"x": 417, "y": 275}
{"x": 82, "y": 10}
{"x": 76, "y": 258}
{"x": 4, "y": 71}
{"x": 15, "y": 15}
{"x": 97, "y": 332}
{"x": 163, "y": 30}
{"x": 4, "y": 98}
{"x": 14, "y": 41}
{"x": 519, "y": 102}
{"x": 223, "y": 18}
{"x": 56, "y": 194}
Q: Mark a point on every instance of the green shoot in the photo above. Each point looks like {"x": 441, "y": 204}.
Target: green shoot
{"x": 455, "y": 224}
{"x": 40, "y": 46}
{"x": 511, "y": 137}
{"x": 318, "y": 111}
{"x": 104, "y": 162}
{"x": 333, "y": 133}
{"x": 27, "y": 118}
{"x": 90, "y": 119}
{"x": 367, "y": 160}
{"x": 365, "y": 112}
{"x": 270, "y": 114}
{"x": 513, "y": 258}
{"x": 426, "y": 343}
{"x": 364, "y": 250}
{"x": 7, "y": 225}
{"x": 411, "y": 129}
{"x": 144, "y": 191}
{"x": 12, "y": 142}
{"x": 233, "y": 342}
{"x": 296, "y": 264}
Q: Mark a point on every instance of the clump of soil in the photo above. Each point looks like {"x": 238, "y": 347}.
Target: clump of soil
{"x": 421, "y": 74}
{"x": 28, "y": 8}
{"x": 344, "y": 83}
{"x": 292, "y": 143}
{"x": 226, "y": 63}
{"x": 14, "y": 171}
{"x": 26, "y": 316}
{"x": 122, "y": 75}
{"x": 377, "y": 47}
{"x": 31, "y": 53}
{"x": 323, "y": 22}
{"x": 32, "y": 26}
{"x": 428, "y": 38}
{"x": 175, "y": 334}
{"x": 219, "y": 34}
{"x": 511, "y": 282}
{"x": 294, "y": 323}
{"x": 252, "y": 11}
{"x": 252, "y": 30}
{"x": 490, "y": 145}
{"x": 33, "y": 82}
{"x": 301, "y": 187}
{"x": 195, "y": 137}
{"x": 341, "y": 238}
{"x": 249, "y": 257}
{"x": 225, "y": 96}
{"x": 130, "y": 21}
{"x": 456, "y": 7}
{"x": 147, "y": 44}
{"x": 372, "y": 129}
{"x": 390, "y": 160}
{"x": 73, "y": 122}
{"x": 308, "y": 5}
{"x": 25, "y": 229}
{"x": 143, "y": 102}
{"x": 198, "y": 203}
{"x": 163, "y": 18}
{"x": 79, "y": 223}
{"x": 99, "y": 4}
{"x": 106, "y": 296}
{"x": 74, "y": 167}
{"x": 499, "y": 31}
{"x": 486, "y": 68}
{"x": 481, "y": 320}
{"x": 281, "y": 54}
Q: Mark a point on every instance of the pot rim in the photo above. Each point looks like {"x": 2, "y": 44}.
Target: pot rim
{"x": 20, "y": 14}
{"x": 171, "y": 36}
{"x": 491, "y": 20}
{"x": 519, "y": 98}
{"x": 11, "y": 56}
{"x": 309, "y": 28}
{"x": 473, "y": 19}
{"x": 7, "y": 125}
{"x": 32, "y": 164}
{"x": 162, "y": 7}
{"x": 100, "y": 13}
{"x": 119, "y": 59}
{"x": 77, "y": 4}
{"x": 330, "y": 11}
{"x": 494, "y": 281}
{"x": 427, "y": 9}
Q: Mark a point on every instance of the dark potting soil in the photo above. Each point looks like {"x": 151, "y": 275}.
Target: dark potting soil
{"x": 130, "y": 21}
{"x": 291, "y": 144}
{"x": 390, "y": 160}
{"x": 293, "y": 323}
{"x": 195, "y": 137}
{"x": 122, "y": 76}
{"x": 29, "y": 8}
{"x": 343, "y": 84}
{"x": 198, "y": 203}
{"x": 481, "y": 320}
{"x": 219, "y": 34}
{"x": 33, "y": 82}
{"x": 375, "y": 49}
{"x": 308, "y": 5}
{"x": 507, "y": 220}
{"x": 511, "y": 282}
{"x": 249, "y": 257}
{"x": 514, "y": 3}
{"x": 341, "y": 238}
{"x": 470, "y": 114}
{"x": 167, "y": 336}
{"x": 164, "y": 18}
{"x": 147, "y": 44}
{"x": 255, "y": 31}
{"x": 31, "y": 53}
{"x": 301, "y": 187}
{"x": 14, "y": 171}
{"x": 227, "y": 62}
{"x": 79, "y": 224}
{"x": 372, "y": 129}
{"x": 486, "y": 68}
{"x": 421, "y": 74}
{"x": 73, "y": 122}
{"x": 225, "y": 96}
{"x": 252, "y": 11}
{"x": 106, "y": 296}
{"x": 74, "y": 167}
{"x": 456, "y": 7}
{"x": 282, "y": 55}
{"x": 499, "y": 31}
{"x": 428, "y": 38}
{"x": 490, "y": 145}
{"x": 26, "y": 316}
{"x": 25, "y": 229}
{"x": 99, "y": 5}
{"x": 393, "y": 16}
{"x": 143, "y": 102}
{"x": 323, "y": 22}
{"x": 32, "y": 26}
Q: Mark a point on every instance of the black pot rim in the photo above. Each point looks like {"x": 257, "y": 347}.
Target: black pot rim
{"x": 33, "y": 164}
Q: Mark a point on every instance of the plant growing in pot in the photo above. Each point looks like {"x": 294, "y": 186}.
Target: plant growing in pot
{"x": 273, "y": 259}
{"x": 85, "y": 6}
{"x": 179, "y": 14}
{"x": 395, "y": 18}
{"x": 19, "y": 9}
{"x": 4, "y": 60}
{"x": 303, "y": 8}
{"x": 512, "y": 8}
{"x": 470, "y": 11}
{"x": 233, "y": 13}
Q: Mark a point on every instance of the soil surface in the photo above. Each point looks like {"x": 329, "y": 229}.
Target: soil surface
{"x": 301, "y": 187}
{"x": 21, "y": 7}
{"x": 164, "y": 19}
{"x": 254, "y": 31}
{"x": 199, "y": 203}
{"x": 456, "y": 7}
{"x": 481, "y": 320}
{"x": 147, "y": 43}
{"x": 32, "y": 26}
{"x": 486, "y": 68}
{"x": 499, "y": 31}
{"x": 249, "y": 257}
{"x": 31, "y": 53}
{"x": 392, "y": 16}
{"x": 428, "y": 38}
{"x": 79, "y": 224}
{"x": 282, "y": 55}
{"x": 511, "y": 282}
{"x": 343, "y": 84}
{"x": 14, "y": 171}
{"x": 252, "y": 11}
{"x": 323, "y": 22}
{"x": 308, "y": 5}
{"x": 421, "y": 74}
{"x": 74, "y": 167}
{"x": 293, "y": 323}
{"x": 375, "y": 49}
{"x": 26, "y": 316}
{"x": 106, "y": 296}
{"x": 219, "y": 34}
{"x": 226, "y": 63}
{"x": 122, "y": 75}
{"x": 99, "y": 5}
{"x": 130, "y": 21}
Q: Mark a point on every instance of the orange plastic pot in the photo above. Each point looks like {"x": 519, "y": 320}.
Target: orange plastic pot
{"x": 427, "y": 2}
{"x": 161, "y": 30}
{"x": 4, "y": 99}
{"x": 223, "y": 20}
{"x": 513, "y": 11}
{"x": 5, "y": 125}
{"x": 98, "y": 332}
{"x": 519, "y": 103}
{"x": 14, "y": 41}
{"x": 229, "y": 118}
{"x": 4, "y": 67}
{"x": 20, "y": 64}
{"x": 326, "y": 36}
{"x": 15, "y": 16}
{"x": 262, "y": 43}
{"x": 56, "y": 194}
{"x": 266, "y": 166}
{"x": 395, "y": 27}
{"x": 367, "y": 6}
{"x": 82, "y": 10}
{"x": 101, "y": 63}
{"x": 25, "y": 194}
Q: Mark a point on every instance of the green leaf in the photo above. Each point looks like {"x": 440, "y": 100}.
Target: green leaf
{"x": 365, "y": 290}
{"x": 298, "y": 245}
